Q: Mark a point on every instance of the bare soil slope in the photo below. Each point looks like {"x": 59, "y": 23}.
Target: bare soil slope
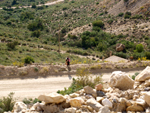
{"x": 132, "y": 6}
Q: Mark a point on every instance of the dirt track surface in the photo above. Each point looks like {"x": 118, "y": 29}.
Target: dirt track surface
{"x": 32, "y": 88}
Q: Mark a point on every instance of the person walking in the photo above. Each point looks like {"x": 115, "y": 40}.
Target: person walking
{"x": 68, "y": 63}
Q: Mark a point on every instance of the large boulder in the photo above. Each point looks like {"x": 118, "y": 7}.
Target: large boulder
{"x": 52, "y": 98}
{"x": 144, "y": 75}
{"x": 121, "y": 80}
{"x": 120, "y": 47}
{"x": 90, "y": 90}
{"x": 94, "y": 104}
{"x": 19, "y": 107}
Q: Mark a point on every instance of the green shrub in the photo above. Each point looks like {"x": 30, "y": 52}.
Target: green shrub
{"x": 125, "y": 0}
{"x": 137, "y": 55}
{"x": 83, "y": 79}
{"x": 36, "y": 33}
{"x": 139, "y": 48}
{"x": 7, "y": 103}
{"x": 36, "y": 25}
{"x": 26, "y": 101}
{"x": 98, "y": 23}
{"x": 127, "y": 15}
{"x": 137, "y": 17}
{"x": 33, "y": 5}
{"x": 28, "y": 60}
{"x": 147, "y": 54}
{"x": 12, "y": 45}
{"x": 26, "y": 15}
{"x": 120, "y": 14}
{"x": 110, "y": 21}
{"x": 133, "y": 76}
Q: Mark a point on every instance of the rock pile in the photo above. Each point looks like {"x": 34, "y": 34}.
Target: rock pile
{"x": 123, "y": 95}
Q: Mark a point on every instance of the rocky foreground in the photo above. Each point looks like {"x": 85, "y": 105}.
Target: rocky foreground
{"x": 123, "y": 95}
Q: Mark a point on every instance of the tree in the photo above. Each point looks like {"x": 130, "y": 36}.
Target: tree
{"x": 14, "y": 2}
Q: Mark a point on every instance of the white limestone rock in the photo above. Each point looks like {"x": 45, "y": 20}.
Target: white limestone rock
{"x": 107, "y": 103}
{"x": 70, "y": 110}
{"x": 73, "y": 95}
{"x": 52, "y": 98}
{"x": 19, "y": 107}
{"x": 144, "y": 75}
{"x": 147, "y": 97}
{"x": 37, "y": 107}
{"x": 121, "y": 80}
{"x": 104, "y": 109}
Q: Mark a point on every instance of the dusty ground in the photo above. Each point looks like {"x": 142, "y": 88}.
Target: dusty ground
{"x": 32, "y": 88}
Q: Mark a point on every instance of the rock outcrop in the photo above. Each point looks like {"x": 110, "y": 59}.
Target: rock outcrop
{"x": 144, "y": 75}
{"x": 121, "y": 96}
{"x": 120, "y": 80}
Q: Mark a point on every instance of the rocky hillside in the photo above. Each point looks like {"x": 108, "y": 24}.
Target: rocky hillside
{"x": 122, "y": 95}
{"x": 134, "y": 6}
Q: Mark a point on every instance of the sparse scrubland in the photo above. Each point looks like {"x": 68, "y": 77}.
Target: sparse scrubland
{"x": 31, "y": 35}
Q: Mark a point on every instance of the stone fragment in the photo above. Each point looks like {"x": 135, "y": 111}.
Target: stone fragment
{"x": 121, "y": 80}
{"x": 37, "y": 107}
{"x": 76, "y": 102}
{"x": 90, "y": 90}
{"x": 73, "y": 95}
{"x": 104, "y": 109}
{"x": 99, "y": 87}
{"x": 99, "y": 99}
{"x": 94, "y": 104}
{"x": 119, "y": 105}
{"x": 52, "y": 98}
{"x": 120, "y": 47}
{"x": 19, "y": 107}
{"x": 70, "y": 110}
{"x": 52, "y": 108}
{"x": 141, "y": 102}
{"x": 144, "y": 75}
{"x": 100, "y": 93}
{"x": 135, "y": 108}
{"x": 147, "y": 97}
{"x": 107, "y": 103}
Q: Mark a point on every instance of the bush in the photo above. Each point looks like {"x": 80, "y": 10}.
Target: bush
{"x": 98, "y": 23}
{"x": 120, "y": 14}
{"x": 7, "y": 103}
{"x": 28, "y": 60}
{"x": 127, "y": 15}
{"x": 137, "y": 17}
{"x": 83, "y": 79}
{"x": 125, "y": 0}
{"x": 133, "y": 76}
{"x": 36, "y": 25}
{"x": 147, "y": 54}
{"x": 33, "y": 5}
{"x": 36, "y": 33}
{"x": 26, "y": 15}
{"x": 139, "y": 48}
{"x": 12, "y": 45}
{"x": 110, "y": 21}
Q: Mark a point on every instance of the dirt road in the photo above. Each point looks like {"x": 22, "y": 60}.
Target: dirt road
{"x": 32, "y": 88}
{"x": 49, "y": 3}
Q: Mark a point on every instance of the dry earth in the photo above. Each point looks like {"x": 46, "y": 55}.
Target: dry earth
{"x": 32, "y": 88}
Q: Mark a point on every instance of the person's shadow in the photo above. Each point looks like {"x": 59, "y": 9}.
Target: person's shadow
{"x": 69, "y": 76}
